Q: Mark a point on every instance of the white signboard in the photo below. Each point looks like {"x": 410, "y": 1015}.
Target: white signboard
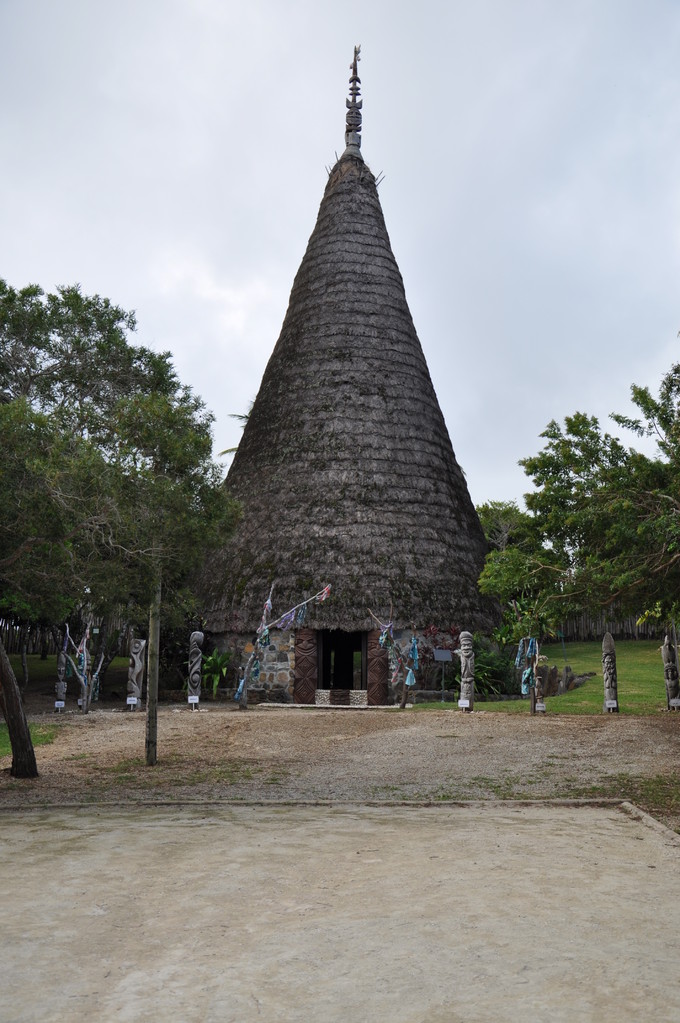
{"x": 611, "y": 704}
{"x": 463, "y": 703}
{"x": 541, "y": 707}
{"x": 674, "y": 703}
{"x": 80, "y": 701}
{"x": 60, "y": 704}
{"x": 193, "y": 699}
{"x": 132, "y": 701}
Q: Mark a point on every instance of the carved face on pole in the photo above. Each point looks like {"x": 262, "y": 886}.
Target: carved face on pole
{"x": 195, "y": 659}
{"x": 136, "y": 668}
{"x": 466, "y": 654}
{"x": 467, "y": 667}
{"x": 670, "y": 669}
{"x": 61, "y": 675}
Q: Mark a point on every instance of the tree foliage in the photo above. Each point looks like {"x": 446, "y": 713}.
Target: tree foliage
{"x": 107, "y": 466}
{"x": 520, "y": 570}
{"x": 604, "y": 519}
{"x": 107, "y": 477}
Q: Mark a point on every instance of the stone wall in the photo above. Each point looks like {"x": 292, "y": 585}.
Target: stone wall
{"x": 277, "y": 664}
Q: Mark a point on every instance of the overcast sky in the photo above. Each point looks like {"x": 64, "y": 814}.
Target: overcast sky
{"x": 172, "y": 155}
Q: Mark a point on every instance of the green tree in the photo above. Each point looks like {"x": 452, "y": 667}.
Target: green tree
{"x": 520, "y": 570}
{"x": 111, "y": 491}
{"x": 606, "y": 516}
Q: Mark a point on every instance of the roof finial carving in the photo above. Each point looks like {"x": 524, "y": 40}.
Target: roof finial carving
{"x": 354, "y": 105}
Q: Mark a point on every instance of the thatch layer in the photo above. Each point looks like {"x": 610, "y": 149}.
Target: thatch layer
{"x": 345, "y": 469}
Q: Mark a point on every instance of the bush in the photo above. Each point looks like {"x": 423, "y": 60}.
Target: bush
{"x": 494, "y": 669}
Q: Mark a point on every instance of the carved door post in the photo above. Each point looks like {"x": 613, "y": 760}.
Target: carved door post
{"x": 306, "y": 666}
{"x": 377, "y": 670}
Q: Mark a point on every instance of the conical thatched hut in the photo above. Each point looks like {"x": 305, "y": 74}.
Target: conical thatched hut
{"x": 345, "y": 469}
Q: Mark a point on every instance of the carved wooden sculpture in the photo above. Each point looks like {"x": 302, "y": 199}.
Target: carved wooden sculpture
{"x": 60, "y": 687}
{"x": 195, "y": 659}
{"x": 467, "y": 670}
{"x": 136, "y": 669}
{"x": 670, "y": 671}
{"x": 611, "y": 695}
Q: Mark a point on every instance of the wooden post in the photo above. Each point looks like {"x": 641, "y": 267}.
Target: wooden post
{"x": 152, "y": 677}
{"x": 532, "y": 664}
{"x": 609, "y": 675}
{"x": 670, "y": 671}
{"x": 467, "y": 672}
{"x": 404, "y": 694}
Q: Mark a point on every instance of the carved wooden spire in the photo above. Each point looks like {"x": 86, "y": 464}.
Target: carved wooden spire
{"x": 354, "y": 105}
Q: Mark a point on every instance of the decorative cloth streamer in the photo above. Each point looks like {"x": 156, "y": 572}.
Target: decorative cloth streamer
{"x": 264, "y": 636}
{"x": 413, "y": 654}
{"x": 531, "y": 652}
{"x": 287, "y": 621}
{"x": 528, "y": 681}
{"x": 410, "y": 679}
{"x": 386, "y": 635}
{"x": 520, "y": 654}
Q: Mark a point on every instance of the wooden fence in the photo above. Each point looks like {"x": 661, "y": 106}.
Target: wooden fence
{"x": 591, "y": 627}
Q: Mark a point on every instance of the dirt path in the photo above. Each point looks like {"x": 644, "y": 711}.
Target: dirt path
{"x": 285, "y": 755}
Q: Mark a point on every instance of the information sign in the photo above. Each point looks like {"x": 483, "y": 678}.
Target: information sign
{"x": 463, "y": 703}
{"x": 611, "y": 704}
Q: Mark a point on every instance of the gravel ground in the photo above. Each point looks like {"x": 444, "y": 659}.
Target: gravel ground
{"x": 293, "y": 754}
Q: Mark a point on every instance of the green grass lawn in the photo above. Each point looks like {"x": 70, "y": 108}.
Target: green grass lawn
{"x": 40, "y": 734}
{"x": 640, "y": 679}
{"x": 641, "y": 685}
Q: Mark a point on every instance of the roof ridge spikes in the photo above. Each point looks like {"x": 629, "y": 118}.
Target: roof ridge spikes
{"x": 354, "y": 105}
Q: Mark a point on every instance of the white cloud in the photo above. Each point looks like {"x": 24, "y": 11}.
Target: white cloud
{"x": 171, "y": 155}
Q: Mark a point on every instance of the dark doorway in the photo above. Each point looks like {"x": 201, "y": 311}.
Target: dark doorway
{"x": 342, "y": 658}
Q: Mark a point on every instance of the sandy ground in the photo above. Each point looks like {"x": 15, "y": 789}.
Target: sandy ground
{"x": 477, "y": 913}
{"x": 287, "y": 864}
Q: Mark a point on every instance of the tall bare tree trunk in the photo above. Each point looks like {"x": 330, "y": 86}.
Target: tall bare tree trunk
{"x": 23, "y": 754}
{"x": 152, "y": 676}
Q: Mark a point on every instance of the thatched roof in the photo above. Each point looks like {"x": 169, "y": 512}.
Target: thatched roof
{"x": 345, "y": 469}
